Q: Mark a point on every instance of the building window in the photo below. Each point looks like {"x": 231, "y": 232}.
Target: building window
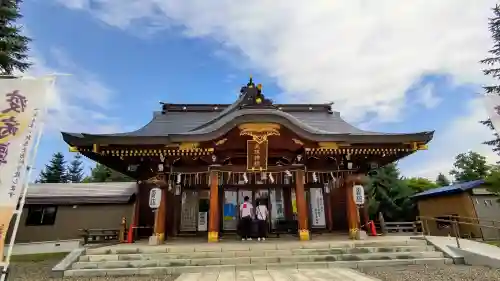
{"x": 41, "y": 215}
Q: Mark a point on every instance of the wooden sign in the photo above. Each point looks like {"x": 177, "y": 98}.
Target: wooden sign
{"x": 257, "y": 155}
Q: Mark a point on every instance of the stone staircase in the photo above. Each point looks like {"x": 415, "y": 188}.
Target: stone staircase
{"x": 131, "y": 259}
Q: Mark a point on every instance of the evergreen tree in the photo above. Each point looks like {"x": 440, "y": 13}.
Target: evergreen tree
{"x": 493, "y": 69}
{"x": 419, "y": 184}
{"x": 442, "y": 180}
{"x": 390, "y": 195}
{"x": 101, "y": 173}
{"x": 13, "y": 45}
{"x": 470, "y": 166}
{"x": 55, "y": 171}
{"x": 75, "y": 169}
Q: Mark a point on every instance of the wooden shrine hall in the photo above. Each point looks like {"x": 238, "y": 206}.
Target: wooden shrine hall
{"x": 303, "y": 159}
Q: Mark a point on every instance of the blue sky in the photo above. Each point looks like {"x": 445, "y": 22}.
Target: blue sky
{"x": 125, "y": 57}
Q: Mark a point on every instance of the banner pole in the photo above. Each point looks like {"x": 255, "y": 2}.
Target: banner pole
{"x": 29, "y": 167}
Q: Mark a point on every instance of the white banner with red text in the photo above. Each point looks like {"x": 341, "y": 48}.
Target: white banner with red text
{"x": 22, "y": 102}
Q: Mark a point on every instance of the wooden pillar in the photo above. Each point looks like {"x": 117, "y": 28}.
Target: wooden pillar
{"x": 352, "y": 209}
{"x": 161, "y": 217}
{"x": 301, "y": 206}
{"x": 213, "y": 223}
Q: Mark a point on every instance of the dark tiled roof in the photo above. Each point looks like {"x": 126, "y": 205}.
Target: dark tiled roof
{"x": 188, "y": 122}
{"x": 202, "y": 122}
{"x": 81, "y": 193}
{"x": 450, "y": 189}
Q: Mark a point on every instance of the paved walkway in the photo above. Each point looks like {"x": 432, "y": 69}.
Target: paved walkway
{"x": 332, "y": 274}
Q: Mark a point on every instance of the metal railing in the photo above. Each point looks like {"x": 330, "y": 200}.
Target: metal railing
{"x": 455, "y": 226}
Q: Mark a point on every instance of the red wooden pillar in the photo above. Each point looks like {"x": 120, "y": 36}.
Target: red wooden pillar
{"x": 161, "y": 217}
{"x": 352, "y": 209}
{"x": 301, "y": 206}
{"x": 213, "y": 218}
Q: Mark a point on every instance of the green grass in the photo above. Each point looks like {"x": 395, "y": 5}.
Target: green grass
{"x": 37, "y": 257}
{"x": 495, "y": 243}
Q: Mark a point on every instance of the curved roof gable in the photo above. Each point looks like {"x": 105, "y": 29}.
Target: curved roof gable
{"x": 199, "y": 122}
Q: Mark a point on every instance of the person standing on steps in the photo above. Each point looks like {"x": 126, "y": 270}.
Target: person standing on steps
{"x": 246, "y": 215}
{"x": 262, "y": 214}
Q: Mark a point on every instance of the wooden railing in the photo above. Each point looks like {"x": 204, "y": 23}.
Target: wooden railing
{"x": 385, "y": 227}
{"x": 97, "y": 235}
{"x": 453, "y": 225}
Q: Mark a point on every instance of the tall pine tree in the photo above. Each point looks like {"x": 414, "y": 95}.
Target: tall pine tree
{"x": 101, "y": 173}
{"x": 442, "y": 180}
{"x": 55, "y": 171}
{"x": 75, "y": 169}
{"x": 13, "y": 45}
{"x": 390, "y": 195}
{"x": 493, "y": 69}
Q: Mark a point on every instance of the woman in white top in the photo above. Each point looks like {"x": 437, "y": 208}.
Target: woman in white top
{"x": 262, "y": 213}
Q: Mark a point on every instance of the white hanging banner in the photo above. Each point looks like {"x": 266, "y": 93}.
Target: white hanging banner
{"x": 317, "y": 207}
{"x": 492, "y": 104}
{"x": 22, "y": 102}
{"x": 202, "y": 221}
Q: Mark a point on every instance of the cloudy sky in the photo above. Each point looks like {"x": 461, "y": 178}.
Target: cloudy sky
{"x": 389, "y": 65}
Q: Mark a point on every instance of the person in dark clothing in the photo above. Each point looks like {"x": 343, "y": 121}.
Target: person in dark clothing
{"x": 246, "y": 215}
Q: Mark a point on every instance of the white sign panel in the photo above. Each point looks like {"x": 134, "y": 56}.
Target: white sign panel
{"x": 22, "y": 102}
{"x": 492, "y": 104}
{"x": 202, "y": 221}
{"x": 317, "y": 207}
{"x": 359, "y": 194}
{"x": 154, "y": 198}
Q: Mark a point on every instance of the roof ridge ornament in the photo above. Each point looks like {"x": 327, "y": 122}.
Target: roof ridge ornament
{"x": 252, "y": 95}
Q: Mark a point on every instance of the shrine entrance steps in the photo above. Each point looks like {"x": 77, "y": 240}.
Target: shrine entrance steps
{"x": 133, "y": 259}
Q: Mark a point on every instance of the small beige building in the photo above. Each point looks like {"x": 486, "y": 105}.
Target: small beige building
{"x": 470, "y": 201}
{"x": 56, "y": 211}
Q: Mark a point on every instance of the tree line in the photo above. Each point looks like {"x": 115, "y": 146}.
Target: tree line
{"x": 59, "y": 171}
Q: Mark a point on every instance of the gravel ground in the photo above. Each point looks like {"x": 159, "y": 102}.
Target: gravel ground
{"x": 433, "y": 273}
{"x": 40, "y": 271}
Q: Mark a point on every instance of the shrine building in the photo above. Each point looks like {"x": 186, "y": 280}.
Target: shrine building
{"x": 303, "y": 159}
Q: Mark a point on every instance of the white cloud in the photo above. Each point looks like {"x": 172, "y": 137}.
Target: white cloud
{"x": 461, "y": 135}
{"x": 362, "y": 54}
{"x": 427, "y": 97}
{"x": 80, "y": 101}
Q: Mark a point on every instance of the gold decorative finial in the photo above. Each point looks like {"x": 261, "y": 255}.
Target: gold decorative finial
{"x": 259, "y": 86}
{"x": 250, "y": 82}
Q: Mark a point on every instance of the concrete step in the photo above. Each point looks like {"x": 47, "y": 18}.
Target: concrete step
{"x": 255, "y": 253}
{"x": 249, "y": 246}
{"x": 159, "y": 270}
{"x": 254, "y": 260}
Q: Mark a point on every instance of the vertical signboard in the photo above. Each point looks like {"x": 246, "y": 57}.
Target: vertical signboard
{"x": 257, "y": 155}
{"x": 317, "y": 207}
{"x": 22, "y": 102}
